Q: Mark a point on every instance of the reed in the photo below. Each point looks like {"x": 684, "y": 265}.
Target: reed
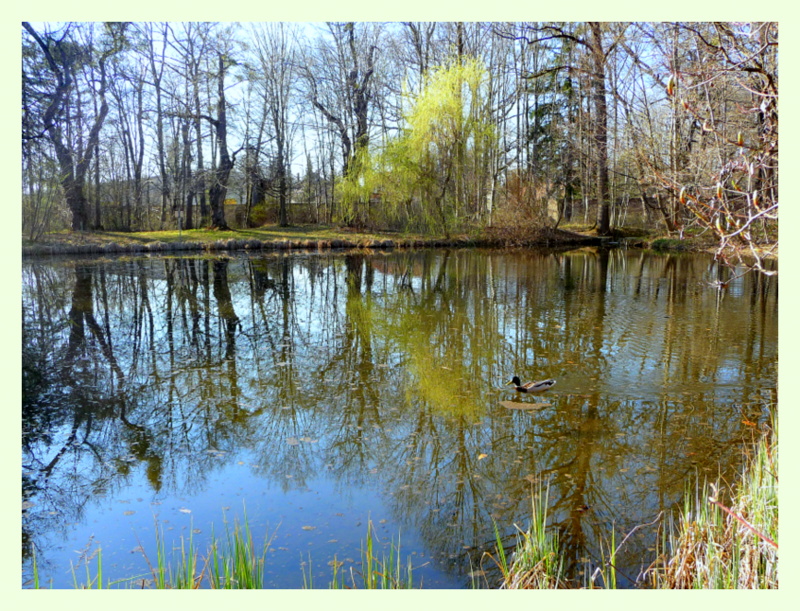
{"x": 376, "y": 573}
{"x": 730, "y": 544}
{"x": 536, "y": 562}
{"x": 237, "y": 564}
{"x": 178, "y": 572}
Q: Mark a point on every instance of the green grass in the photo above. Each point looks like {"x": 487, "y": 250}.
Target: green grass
{"x": 237, "y": 564}
{"x": 536, "y": 562}
{"x": 384, "y": 573}
{"x": 669, "y": 244}
{"x": 207, "y": 236}
{"x": 321, "y": 236}
{"x": 234, "y": 562}
{"x": 305, "y": 232}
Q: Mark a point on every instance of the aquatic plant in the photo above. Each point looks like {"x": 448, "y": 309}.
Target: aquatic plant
{"x": 536, "y": 562}
{"x": 713, "y": 545}
{"x": 386, "y": 573}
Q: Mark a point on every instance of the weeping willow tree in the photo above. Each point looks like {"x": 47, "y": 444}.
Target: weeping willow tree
{"x": 436, "y": 174}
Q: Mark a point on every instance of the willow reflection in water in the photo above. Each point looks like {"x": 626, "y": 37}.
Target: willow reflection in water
{"x": 325, "y": 390}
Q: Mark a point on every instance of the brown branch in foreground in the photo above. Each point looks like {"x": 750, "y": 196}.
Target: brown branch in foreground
{"x": 744, "y": 522}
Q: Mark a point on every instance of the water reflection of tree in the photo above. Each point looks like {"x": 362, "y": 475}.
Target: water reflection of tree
{"x": 283, "y": 431}
{"x": 348, "y": 374}
{"x": 385, "y": 371}
{"x": 74, "y": 388}
{"x": 106, "y": 415}
{"x": 611, "y": 434}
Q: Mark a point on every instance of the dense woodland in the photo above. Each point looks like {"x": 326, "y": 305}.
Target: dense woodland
{"x": 438, "y": 127}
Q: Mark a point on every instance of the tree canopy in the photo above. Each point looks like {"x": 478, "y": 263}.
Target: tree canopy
{"x": 440, "y": 126}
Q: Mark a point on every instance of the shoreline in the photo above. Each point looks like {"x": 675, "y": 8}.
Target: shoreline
{"x": 100, "y": 243}
{"x": 326, "y": 239}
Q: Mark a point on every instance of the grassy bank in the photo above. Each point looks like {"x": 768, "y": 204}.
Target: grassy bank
{"x": 309, "y": 237}
{"x": 323, "y": 237}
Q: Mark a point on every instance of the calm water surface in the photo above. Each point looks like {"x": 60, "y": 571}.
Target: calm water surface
{"x": 319, "y": 392}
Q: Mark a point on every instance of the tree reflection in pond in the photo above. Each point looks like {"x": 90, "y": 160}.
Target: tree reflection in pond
{"x": 333, "y": 387}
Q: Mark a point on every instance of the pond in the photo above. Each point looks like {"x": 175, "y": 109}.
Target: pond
{"x": 313, "y": 394}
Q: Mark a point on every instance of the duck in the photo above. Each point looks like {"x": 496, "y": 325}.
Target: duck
{"x": 531, "y": 386}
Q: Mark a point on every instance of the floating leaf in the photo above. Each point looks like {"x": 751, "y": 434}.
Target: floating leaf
{"x": 293, "y": 441}
{"x": 309, "y": 527}
{"x": 184, "y": 510}
{"x": 482, "y": 456}
{"x": 128, "y": 513}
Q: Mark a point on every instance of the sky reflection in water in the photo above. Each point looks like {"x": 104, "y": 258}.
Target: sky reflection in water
{"x": 317, "y": 392}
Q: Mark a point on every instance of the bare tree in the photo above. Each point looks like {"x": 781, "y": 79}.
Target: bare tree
{"x": 157, "y": 62}
{"x": 339, "y": 80}
{"x": 219, "y": 186}
{"x": 127, "y": 93}
{"x": 595, "y": 46}
{"x": 62, "y": 54}
{"x": 275, "y": 50}
{"x": 193, "y": 44}
{"x": 734, "y": 65}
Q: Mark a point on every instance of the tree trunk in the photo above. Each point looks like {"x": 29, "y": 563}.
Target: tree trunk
{"x": 157, "y": 73}
{"x": 283, "y": 218}
{"x": 219, "y": 189}
{"x": 187, "y": 176}
{"x": 600, "y": 128}
{"x": 201, "y": 181}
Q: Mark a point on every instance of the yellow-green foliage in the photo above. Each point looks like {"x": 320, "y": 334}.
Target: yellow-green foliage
{"x": 437, "y": 164}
